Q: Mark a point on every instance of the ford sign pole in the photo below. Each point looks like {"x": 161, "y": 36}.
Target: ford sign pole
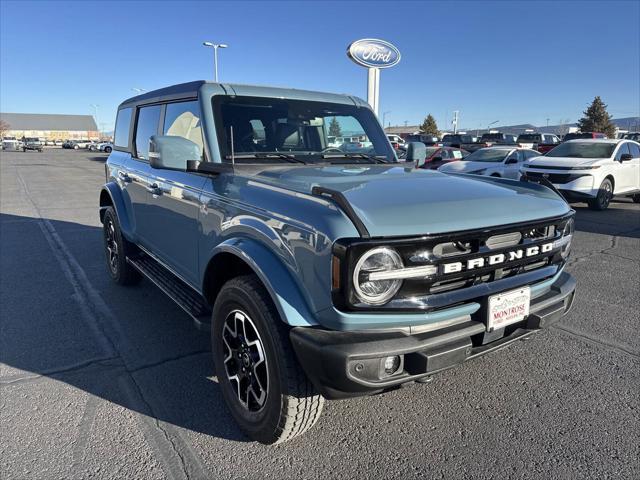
{"x": 373, "y": 54}
{"x": 373, "y": 88}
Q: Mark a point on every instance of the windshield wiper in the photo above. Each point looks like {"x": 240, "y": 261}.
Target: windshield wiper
{"x": 274, "y": 156}
{"x": 373, "y": 158}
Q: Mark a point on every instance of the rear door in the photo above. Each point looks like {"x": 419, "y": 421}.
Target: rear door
{"x": 173, "y": 208}
{"x": 147, "y": 122}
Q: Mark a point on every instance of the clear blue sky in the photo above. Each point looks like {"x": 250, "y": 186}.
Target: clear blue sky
{"x": 516, "y": 62}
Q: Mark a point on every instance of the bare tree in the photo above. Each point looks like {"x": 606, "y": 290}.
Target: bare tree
{"x": 563, "y": 127}
{"x": 4, "y": 128}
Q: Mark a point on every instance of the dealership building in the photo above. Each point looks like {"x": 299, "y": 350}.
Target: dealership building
{"x": 49, "y": 126}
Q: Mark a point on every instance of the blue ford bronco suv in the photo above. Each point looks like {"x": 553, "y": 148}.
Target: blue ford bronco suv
{"x": 323, "y": 271}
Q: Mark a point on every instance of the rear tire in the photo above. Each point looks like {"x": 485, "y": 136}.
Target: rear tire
{"x": 263, "y": 385}
{"x": 605, "y": 194}
{"x": 107, "y": 149}
{"x": 116, "y": 249}
{"x": 636, "y": 198}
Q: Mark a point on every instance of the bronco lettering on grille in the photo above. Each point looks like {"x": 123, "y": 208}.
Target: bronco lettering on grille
{"x": 497, "y": 258}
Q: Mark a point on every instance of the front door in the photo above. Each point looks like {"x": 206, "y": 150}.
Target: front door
{"x": 626, "y": 172}
{"x": 173, "y": 201}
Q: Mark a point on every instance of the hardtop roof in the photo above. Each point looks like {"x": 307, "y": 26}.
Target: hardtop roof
{"x": 191, "y": 89}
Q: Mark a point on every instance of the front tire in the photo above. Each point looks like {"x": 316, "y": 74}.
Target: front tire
{"x": 116, "y": 249}
{"x": 263, "y": 385}
{"x": 636, "y": 198}
{"x": 107, "y": 149}
{"x": 605, "y": 194}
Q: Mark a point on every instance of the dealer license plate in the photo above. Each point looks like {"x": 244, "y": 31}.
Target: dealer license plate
{"x": 507, "y": 308}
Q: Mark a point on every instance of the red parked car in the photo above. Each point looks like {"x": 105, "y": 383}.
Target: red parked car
{"x": 437, "y": 156}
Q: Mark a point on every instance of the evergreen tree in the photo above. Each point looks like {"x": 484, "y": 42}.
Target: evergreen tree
{"x": 597, "y": 119}
{"x": 429, "y": 126}
{"x": 334, "y": 128}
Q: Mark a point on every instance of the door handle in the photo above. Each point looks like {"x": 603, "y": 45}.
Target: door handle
{"x": 124, "y": 177}
{"x": 155, "y": 189}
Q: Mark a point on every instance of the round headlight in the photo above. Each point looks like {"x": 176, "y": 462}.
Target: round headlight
{"x": 376, "y": 292}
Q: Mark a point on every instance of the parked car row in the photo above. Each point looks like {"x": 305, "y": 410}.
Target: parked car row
{"x": 88, "y": 145}
{"x": 590, "y": 170}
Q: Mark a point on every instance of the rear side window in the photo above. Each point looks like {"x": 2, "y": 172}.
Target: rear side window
{"x": 147, "y": 125}
{"x": 123, "y": 125}
{"x": 183, "y": 119}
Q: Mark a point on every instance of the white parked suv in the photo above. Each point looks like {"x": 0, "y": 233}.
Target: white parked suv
{"x": 591, "y": 170}
{"x": 502, "y": 161}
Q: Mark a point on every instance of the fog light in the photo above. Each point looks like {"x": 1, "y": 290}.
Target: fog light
{"x": 391, "y": 364}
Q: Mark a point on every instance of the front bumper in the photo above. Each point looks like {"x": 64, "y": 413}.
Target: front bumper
{"x": 350, "y": 364}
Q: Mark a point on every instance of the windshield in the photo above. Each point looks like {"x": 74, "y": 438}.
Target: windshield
{"x": 530, "y": 137}
{"x": 281, "y": 130}
{"x": 578, "y": 135}
{"x": 431, "y": 150}
{"x": 488, "y": 155}
{"x": 583, "y": 150}
{"x": 492, "y": 136}
{"x": 31, "y": 139}
{"x": 458, "y": 138}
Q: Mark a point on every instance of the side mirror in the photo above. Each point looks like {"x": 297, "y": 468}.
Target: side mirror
{"x": 511, "y": 161}
{"x": 625, "y": 157}
{"x": 171, "y": 152}
{"x": 417, "y": 153}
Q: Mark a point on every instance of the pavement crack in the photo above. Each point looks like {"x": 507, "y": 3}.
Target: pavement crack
{"x": 611, "y": 345}
{"x": 169, "y": 360}
{"x": 102, "y": 361}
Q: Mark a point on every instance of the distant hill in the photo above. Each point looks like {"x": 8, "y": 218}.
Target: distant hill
{"x": 626, "y": 123}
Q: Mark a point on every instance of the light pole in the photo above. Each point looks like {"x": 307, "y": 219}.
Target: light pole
{"x": 384, "y": 117}
{"x": 455, "y": 121}
{"x": 95, "y": 115}
{"x": 215, "y": 47}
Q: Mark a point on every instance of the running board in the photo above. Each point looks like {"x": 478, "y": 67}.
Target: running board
{"x": 186, "y": 298}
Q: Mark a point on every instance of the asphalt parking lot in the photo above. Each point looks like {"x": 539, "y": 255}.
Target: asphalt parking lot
{"x": 101, "y": 381}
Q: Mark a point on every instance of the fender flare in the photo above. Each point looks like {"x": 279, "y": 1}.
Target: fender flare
{"x": 282, "y": 288}
{"x": 112, "y": 191}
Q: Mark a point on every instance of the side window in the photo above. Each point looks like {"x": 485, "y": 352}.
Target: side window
{"x": 123, "y": 125}
{"x": 146, "y": 126}
{"x": 183, "y": 120}
{"x": 635, "y": 150}
{"x": 517, "y": 155}
{"x": 624, "y": 148}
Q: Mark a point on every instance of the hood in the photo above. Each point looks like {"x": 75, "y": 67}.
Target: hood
{"x": 466, "y": 166}
{"x": 399, "y": 201}
{"x": 562, "y": 161}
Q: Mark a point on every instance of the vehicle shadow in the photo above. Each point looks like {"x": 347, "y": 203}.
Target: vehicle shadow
{"x": 132, "y": 346}
{"x": 622, "y": 218}
{"x": 101, "y": 158}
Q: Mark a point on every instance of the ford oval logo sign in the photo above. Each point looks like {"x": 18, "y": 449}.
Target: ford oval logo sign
{"x": 373, "y": 53}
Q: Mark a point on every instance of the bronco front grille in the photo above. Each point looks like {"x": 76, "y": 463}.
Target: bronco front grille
{"x": 469, "y": 264}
